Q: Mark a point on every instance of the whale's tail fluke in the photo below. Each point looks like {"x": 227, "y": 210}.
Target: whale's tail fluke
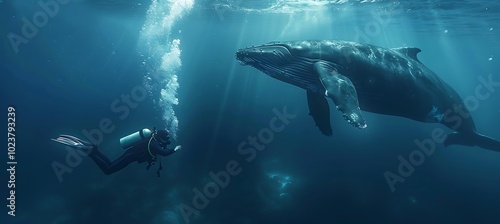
{"x": 475, "y": 139}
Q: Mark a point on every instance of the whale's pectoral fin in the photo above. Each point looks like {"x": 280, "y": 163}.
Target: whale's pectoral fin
{"x": 343, "y": 93}
{"x": 320, "y": 111}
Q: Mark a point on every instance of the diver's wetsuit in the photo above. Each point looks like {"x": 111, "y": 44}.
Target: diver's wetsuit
{"x": 138, "y": 152}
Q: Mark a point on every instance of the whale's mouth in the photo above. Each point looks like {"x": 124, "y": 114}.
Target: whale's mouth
{"x": 245, "y": 60}
{"x": 267, "y": 54}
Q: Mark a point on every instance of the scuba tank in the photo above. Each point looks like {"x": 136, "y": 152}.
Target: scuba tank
{"x": 134, "y": 138}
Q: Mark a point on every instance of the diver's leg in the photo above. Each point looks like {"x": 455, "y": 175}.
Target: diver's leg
{"x": 109, "y": 167}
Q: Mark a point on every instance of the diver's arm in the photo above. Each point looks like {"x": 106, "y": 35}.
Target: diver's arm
{"x": 167, "y": 152}
{"x": 177, "y": 148}
{"x": 157, "y": 149}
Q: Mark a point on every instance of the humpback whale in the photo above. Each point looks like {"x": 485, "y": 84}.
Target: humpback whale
{"x": 362, "y": 77}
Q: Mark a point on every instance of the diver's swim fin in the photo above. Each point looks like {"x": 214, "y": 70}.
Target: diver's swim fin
{"x": 73, "y": 141}
{"x": 457, "y": 138}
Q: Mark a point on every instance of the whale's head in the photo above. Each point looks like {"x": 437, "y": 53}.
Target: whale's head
{"x": 265, "y": 56}
{"x": 299, "y": 52}
{"x": 277, "y": 57}
{"x": 290, "y": 62}
{"x": 286, "y": 61}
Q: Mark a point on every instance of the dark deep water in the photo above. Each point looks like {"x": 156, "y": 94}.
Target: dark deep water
{"x": 67, "y": 76}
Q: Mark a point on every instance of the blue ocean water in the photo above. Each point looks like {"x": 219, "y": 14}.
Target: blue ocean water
{"x": 171, "y": 64}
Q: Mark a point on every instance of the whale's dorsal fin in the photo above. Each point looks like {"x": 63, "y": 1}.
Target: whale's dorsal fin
{"x": 411, "y": 52}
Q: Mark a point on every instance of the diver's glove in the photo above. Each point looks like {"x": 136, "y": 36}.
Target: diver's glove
{"x": 74, "y": 142}
{"x": 177, "y": 148}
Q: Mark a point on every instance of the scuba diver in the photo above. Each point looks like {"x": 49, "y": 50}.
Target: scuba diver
{"x": 142, "y": 146}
